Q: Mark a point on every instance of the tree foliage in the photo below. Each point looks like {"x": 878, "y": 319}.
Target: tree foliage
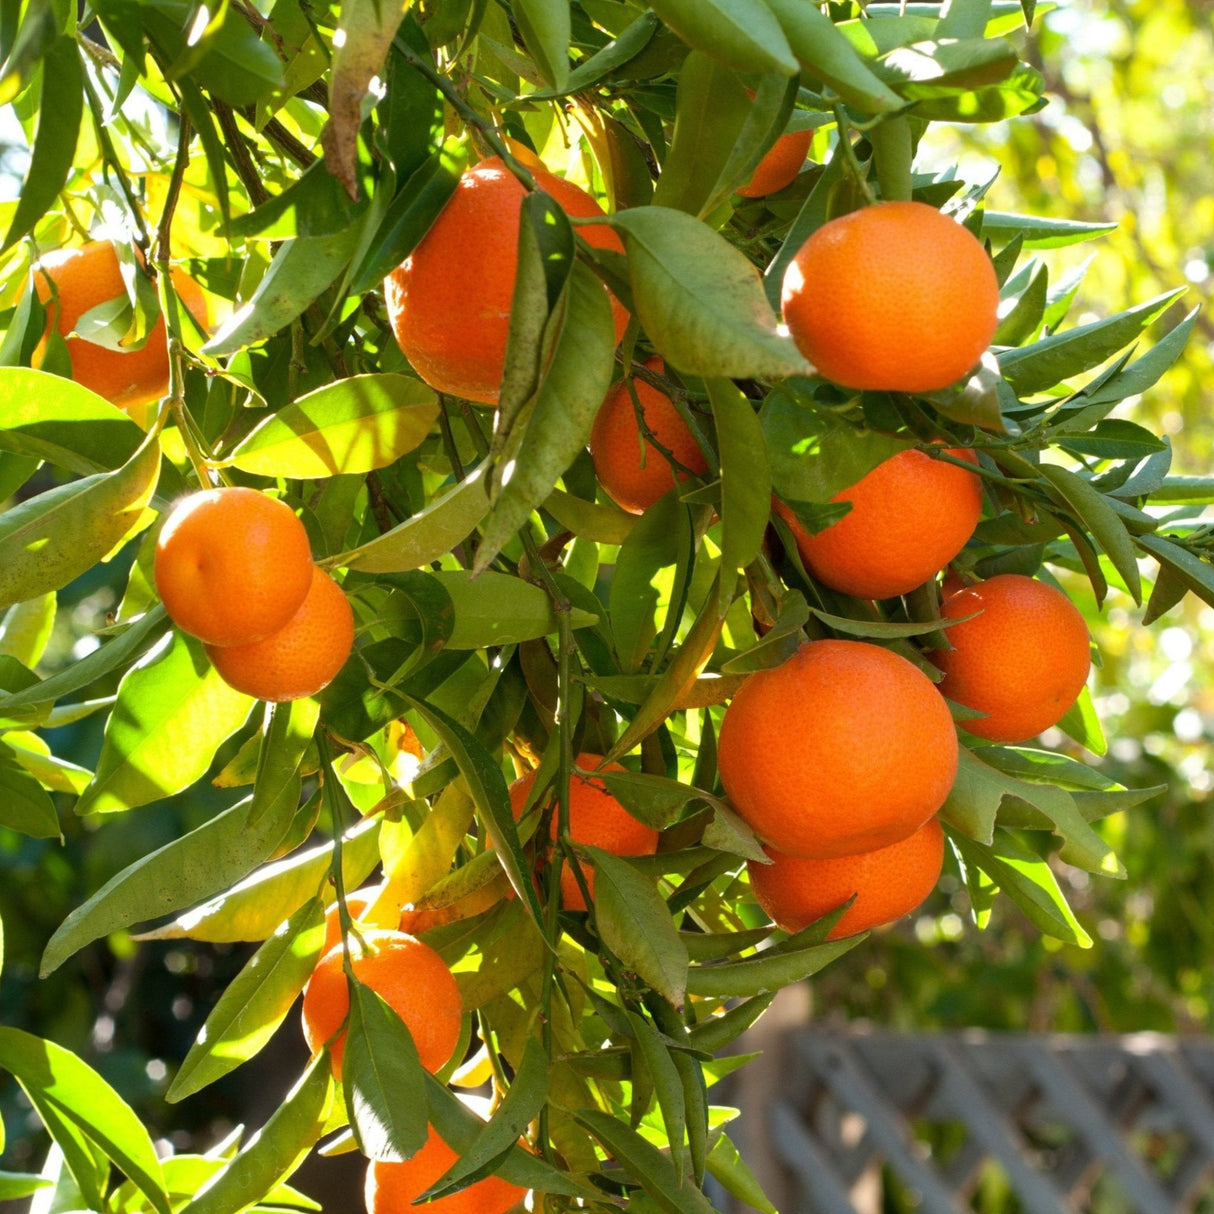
{"x": 288, "y": 156}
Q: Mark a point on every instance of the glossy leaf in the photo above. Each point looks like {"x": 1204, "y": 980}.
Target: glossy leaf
{"x": 746, "y": 480}
{"x": 635, "y": 924}
{"x": 495, "y": 609}
{"x": 48, "y": 540}
{"x": 275, "y": 1151}
{"x": 740, "y": 33}
{"x": 254, "y": 1003}
{"x": 25, "y": 806}
{"x": 172, "y": 713}
{"x": 80, "y": 1096}
{"x": 382, "y": 1079}
{"x": 700, "y": 300}
{"x": 767, "y": 972}
{"x": 545, "y": 27}
{"x": 353, "y": 425}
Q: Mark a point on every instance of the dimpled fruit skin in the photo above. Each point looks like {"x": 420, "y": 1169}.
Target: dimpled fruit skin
{"x": 1023, "y": 659}
{"x": 90, "y": 275}
{"x": 449, "y": 301}
{"x": 615, "y": 445}
{"x": 893, "y": 296}
{"x": 595, "y": 818}
{"x": 910, "y": 516}
{"x": 407, "y": 974}
{"x": 845, "y": 747}
{"x": 888, "y": 883}
{"x": 780, "y": 166}
{"x": 232, "y": 565}
{"x": 302, "y": 657}
{"x": 392, "y": 1187}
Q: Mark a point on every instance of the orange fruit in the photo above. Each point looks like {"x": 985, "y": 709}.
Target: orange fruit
{"x": 407, "y": 974}
{"x": 633, "y": 471}
{"x": 845, "y": 747}
{"x": 888, "y": 883}
{"x": 302, "y": 657}
{"x": 780, "y": 166}
{"x": 90, "y": 275}
{"x": 909, "y": 517}
{"x": 391, "y": 1188}
{"x": 232, "y": 565}
{"x": 449, "y": 301}
{"x": 1023, "y": 660}
{"x": 595, "y": 818}
{"x": 894, "y": 296}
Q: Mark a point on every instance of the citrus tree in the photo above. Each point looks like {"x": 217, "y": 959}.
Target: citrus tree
{"x": 584, "y": 655}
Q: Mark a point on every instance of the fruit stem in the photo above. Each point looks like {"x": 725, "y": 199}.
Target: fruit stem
{"x": 850, "y": 161}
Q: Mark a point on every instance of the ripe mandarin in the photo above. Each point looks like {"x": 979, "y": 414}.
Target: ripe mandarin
{"x": 232, "y": 565}
{"x": 633, "y": 471}
{"x": 302, "y": 657}
{"x": 595, "y": 818}
{"x": 893, "y": 296}
{"x": 1022, "y": 660}
{"x": 888, "y": 883}
{"x": 845, "y": 747}
{"x": 780, "y": 166}
{"x": 407, "y": 974}
{"x": 449, "y": 301}
{"x": 391, "y": 1188}
{"x": 909, "y": 517}
{"x": 90, "y": 275}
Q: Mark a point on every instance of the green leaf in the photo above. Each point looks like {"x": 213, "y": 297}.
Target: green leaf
{"x": 288, "y": 733}
{"x": 1054, "y": 359}
{"x": 635, "y": 924}
{"x": 741, "y": 33}
{"x": 1112, "y": 438}
{"x": 50, "y": 418}
{"x": 302, "y": 268}
{"x": 645, "y": 1163}
{"x": 197, "y": 865}
{"x": 813, "y": 455}
{"x": 429, "y": 534}
{"x": 1040, "y": 232}
{"x": 410, "y": 214}
{"x": 129, "y": 644}
{"x": 80, "y": 1096}
{"x": 655, "y": 1056}
{"x": 459, "y": 1127}
{"x": 1095, "y": 512}
{"x": 254, "y": 1003}
{"x": 545, "y": 27}
{"x": 973, "y": 801}
{"x": 60, "y": 108}
{"x": 16, "y": 1185}
{"x": 654, "y": 800}
{"x": 352, "y": 426}
{"x": 745, "y": 475}
{"x": 573, "y": 388}
{"x": 253, "y": 909}
{"x": 660, "y": 541}
{"x": 488, "y": 788}
{"x": 730, "y": 1170}
{"x": 526, "y": 1096}
{"x": 700, "y": 300}
{"x": 173, "y": 711}
{"x": 25, "y": 806}
{"x": 497, "y": 609}
{"x": 711, "y": 110}
{"x": 1028, "y": 881}
{"x": 825, "y": 54}
{"x": 48, "y": 540}
{"x": 383, "y": 1080}
{"x": 770, "y": 971}
{"x": 964, "y": 19}
{"x": 275, "y": 1151}
{"x": 26, "y": 628}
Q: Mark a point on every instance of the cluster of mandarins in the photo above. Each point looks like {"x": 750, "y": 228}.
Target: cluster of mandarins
{"x": 234, "y": 568}
{"x": 841, "y": 758}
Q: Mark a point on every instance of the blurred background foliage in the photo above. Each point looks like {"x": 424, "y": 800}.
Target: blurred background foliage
{"x": 1127, "y": 138}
